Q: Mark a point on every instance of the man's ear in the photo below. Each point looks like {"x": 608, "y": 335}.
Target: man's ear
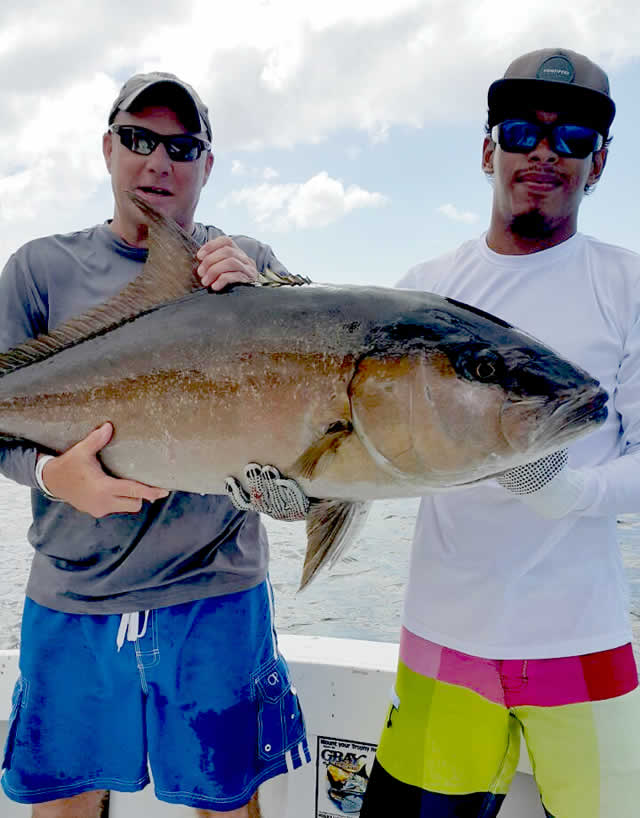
{"x": 598, "y": 162}
{"x": 488, "y": 149}
{"x": 208, "y": 165}
{"x": 107, "y": 148}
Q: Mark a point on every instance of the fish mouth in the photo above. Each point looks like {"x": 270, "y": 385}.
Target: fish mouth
{"x": 591, "y": 409}
{"x": 542, "y": 425}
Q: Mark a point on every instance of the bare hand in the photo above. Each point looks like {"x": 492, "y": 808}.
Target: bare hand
{"x": 77, "y": 477}
{"x": 222, "y": 263}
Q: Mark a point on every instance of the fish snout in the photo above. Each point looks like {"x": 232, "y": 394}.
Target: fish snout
{"x": 589, "y": 407}
{"x": 540, "y": 424}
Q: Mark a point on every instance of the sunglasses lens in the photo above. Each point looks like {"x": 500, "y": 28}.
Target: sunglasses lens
{"x": 520, "y": 136}
{"x": 183, "y": 148}
{"x": 575, "y": 140}
{"x": 137, "y": 140}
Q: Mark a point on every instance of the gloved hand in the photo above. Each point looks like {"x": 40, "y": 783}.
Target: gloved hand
{"x": 548, "y": 486}
{"x": 269, "y": 493}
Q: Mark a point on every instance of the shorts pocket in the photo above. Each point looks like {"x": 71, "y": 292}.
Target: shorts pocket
{"x": 280, "y": 720}
{"x": 18, "y": 702}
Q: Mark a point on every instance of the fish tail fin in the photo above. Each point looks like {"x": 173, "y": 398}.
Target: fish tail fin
{"x": 332, "y": 526}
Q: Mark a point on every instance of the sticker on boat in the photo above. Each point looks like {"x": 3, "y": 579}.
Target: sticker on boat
{"x": 343, "y": 767}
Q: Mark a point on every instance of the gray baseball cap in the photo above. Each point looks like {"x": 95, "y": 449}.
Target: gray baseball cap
{"x": 554, "y": 79}
{"x": 160, "y": 87}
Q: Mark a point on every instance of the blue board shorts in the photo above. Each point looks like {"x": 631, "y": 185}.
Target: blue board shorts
{"x": 198, "y": 692}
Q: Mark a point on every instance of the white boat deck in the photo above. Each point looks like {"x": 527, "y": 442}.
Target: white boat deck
{"x": 344, "y": 687}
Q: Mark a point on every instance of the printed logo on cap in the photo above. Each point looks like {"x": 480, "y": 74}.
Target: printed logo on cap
{"x": 557, "y": 69}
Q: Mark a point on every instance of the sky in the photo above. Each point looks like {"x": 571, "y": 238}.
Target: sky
{"x": 347, "y": 133}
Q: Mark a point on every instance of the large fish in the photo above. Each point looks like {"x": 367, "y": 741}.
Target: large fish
{"x": 356, "y": 392}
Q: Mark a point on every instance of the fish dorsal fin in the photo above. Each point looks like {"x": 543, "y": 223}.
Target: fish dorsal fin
{"x": 171, "y": 262}
{"x": 332, "y": 526}
{"x": 168, "y": 274}
{"x": 271, "y": 278}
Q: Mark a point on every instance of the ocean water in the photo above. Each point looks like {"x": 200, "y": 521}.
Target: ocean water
{"x": 360, "y": 598}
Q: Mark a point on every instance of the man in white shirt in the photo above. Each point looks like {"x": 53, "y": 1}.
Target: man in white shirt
{"x": 516, "y": 614}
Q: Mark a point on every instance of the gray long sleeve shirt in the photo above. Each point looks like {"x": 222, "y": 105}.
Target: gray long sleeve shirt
{"x": 176, "y": 550}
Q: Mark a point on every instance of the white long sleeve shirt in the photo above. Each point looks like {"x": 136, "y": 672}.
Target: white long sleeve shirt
{"x": 487, "y": 575}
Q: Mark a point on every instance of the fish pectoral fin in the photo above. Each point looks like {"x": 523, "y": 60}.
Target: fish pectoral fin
{"x": 318, "y": 456}
{"x": 332, "y": 526}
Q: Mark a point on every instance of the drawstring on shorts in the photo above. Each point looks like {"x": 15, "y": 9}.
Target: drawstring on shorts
{"x": 130, "y": 627}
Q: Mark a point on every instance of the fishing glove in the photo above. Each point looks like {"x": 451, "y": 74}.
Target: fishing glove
{"x": 548, "y": 486}
{"x": 269, "y": 493}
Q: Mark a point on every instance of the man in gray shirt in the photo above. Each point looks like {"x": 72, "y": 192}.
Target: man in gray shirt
{"x": 147, "y": 635}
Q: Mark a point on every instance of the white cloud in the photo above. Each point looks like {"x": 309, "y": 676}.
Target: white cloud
{"x": 275, "y": 73}
{"x": 412, "y": 64}
{"x": 315, "y": 203}
{"x": 240, "y": 168}
{"x": 456, "y": 215}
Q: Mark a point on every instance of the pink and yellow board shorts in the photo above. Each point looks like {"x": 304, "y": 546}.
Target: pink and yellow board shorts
{"x": 451, "y": 741}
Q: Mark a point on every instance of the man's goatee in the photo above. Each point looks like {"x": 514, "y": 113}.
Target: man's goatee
{"x": 531, "y": 225}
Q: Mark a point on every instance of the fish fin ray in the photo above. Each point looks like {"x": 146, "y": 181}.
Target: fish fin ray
{"x": 171, "y": 257}
{"x": 271, "y": 278}
{"x": 332, "y": 526}
{"x": 168, "y": 274}
{"x": 318, "y": 456}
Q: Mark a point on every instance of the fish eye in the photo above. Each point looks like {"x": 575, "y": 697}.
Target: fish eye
{"x": 485, "y": 370}
{"x": 483, "y": 365}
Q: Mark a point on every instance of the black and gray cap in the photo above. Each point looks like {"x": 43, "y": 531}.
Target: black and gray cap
{"x": 554, "y": 79}
{"x": 161, "y": 87}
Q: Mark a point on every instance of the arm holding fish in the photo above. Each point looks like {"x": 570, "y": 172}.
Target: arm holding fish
{"x": 613, "y": 487}
{"x": 77, "y": 478}
{"x": 553, "y": 489}
{"x": 548, "y": 486}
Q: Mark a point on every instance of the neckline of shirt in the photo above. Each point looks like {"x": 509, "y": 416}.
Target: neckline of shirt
{"x": 541, "y": 258}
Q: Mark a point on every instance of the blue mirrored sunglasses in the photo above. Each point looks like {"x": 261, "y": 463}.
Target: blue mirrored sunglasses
{"x": 565, "y": 139}
{"x": 180, "y": 147}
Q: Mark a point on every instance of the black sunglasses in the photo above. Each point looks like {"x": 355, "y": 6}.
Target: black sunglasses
{"x": 521, "y": 136}
{"x": 180, "y": 147}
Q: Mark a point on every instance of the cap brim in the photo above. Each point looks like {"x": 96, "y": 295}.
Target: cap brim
{"x": 507, "y": 96}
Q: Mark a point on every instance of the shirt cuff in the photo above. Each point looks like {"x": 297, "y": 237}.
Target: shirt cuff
{"x": 41, "y": 462}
